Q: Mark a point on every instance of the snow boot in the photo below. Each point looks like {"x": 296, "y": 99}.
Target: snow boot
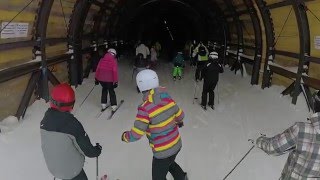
{"x": 174, "y": 78}
{"x": 204, "y": 107}
{"x": 179, "y": 77}
{"x": 212, "y": 107}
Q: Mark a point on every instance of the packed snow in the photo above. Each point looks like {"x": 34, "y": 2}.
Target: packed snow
{"x": 213, "y": 141}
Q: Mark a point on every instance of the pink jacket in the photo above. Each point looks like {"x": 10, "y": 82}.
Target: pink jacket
{"x": 107, "y": 70}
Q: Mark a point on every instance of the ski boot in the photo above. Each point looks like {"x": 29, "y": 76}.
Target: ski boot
{"x": 114, "y": 108}
{"x": 104, "y": 106}
{"x": 204, "y": 107}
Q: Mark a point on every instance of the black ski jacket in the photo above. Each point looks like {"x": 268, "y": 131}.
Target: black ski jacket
{"x": 210, "y": 72}
{"x": 65, "y": 144}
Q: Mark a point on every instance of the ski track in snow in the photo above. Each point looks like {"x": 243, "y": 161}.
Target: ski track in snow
{"x": 213, "y": 141}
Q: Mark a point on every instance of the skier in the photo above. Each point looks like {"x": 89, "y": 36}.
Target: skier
{"x": 201, "y": 54}
{"x": 158, "y": 48}
{"x": 159, "y": 117}
{"x": 64, "y": 142}
{"x": 302, "y": 140}
{"x": 210, "y": 74}
{"x": 191, "y": 57}
{"x": 178, "y": 63}
{"x": 154, "y": 57}
{"x": 143, "y": 49}
{"x": 139, "y": 65}
{"x": 107, "y": 76}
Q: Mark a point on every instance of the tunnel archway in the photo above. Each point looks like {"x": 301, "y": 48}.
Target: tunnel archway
{"x": 266, "y": 37}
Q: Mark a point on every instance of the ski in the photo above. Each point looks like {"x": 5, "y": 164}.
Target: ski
{"x": 102, "y": 110}
{"x": 113, "y": 112}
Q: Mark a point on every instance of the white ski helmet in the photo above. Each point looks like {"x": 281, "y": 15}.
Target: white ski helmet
{"x": 213, "y": 55}
{"x": 147, "y": 79}
{"x": 112, "y": 51}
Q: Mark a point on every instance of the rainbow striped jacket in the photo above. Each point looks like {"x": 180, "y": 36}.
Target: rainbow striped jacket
{"x": 158, "y": 117}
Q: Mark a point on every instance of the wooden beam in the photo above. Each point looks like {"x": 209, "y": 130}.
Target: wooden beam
{"x": 288, "y": 54}
{"x": 283, "y": 3}
{"x": 307, "y": 80}
{"x": 283, "y": 72}
{"x": 297, "y": 56}
{"x": 29, "y": 43}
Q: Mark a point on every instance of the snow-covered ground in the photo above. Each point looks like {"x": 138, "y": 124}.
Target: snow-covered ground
{"x": 213, "y": 141}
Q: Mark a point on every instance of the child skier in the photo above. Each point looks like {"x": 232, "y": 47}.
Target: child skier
{"x": 178, "y": 63}
{"x": 210, "y": 74}
{"x": 64, "y": 142}
{"x": 107, "y": 76}
{"x": 159, "y": 118}
{"x": 302, "y": 140}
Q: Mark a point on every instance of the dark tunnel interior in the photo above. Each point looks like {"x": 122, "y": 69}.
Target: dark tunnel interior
{"x": 171, "y": 22}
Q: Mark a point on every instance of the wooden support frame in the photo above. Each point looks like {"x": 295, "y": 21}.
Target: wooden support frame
{"x": 34, "y": 79}
{"x": 75, "y": 35}
{"x": 258, "y": 41}
{"x": 237, "y": 64}
{"x": 270, "y": 41}
{"x": 304, "y": 37}
{"x": 304, "y": 86}
{"x": 40, "y": 37}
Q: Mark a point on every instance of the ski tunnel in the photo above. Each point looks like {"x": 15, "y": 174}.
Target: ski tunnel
{"x": 276, "y": 41}
{"x": 268, "y": 47}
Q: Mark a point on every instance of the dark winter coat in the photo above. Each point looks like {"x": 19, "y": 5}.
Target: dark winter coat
{"x": 210, "y": 73}
{"x": 65, "y": 144}
{"x": 140, "y": 62}
{"x": 178, "y": 60}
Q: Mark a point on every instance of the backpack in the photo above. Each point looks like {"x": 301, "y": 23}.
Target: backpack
{"x": 202, "y": 51}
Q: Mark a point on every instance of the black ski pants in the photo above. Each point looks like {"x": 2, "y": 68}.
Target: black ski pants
{"x": 107, "y": 87}
{"x": 200, "y": 66}
{"x": 161, "y": 167}
{"x": 81, "y": 176}
{"x": 208, "y": 87}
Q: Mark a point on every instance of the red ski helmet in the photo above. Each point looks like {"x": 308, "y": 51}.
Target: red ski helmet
{"x": 62, "y": 98}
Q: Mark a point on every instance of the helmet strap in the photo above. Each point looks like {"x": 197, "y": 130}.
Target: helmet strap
{"x": 61, "y": 104}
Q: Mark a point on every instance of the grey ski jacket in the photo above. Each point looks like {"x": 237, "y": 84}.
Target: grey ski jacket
{"x": 65, "y": 144}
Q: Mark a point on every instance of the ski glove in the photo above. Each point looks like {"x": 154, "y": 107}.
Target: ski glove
{"x": 115, "y": 85}
{"x": 98, "y": 148}
{"x": 96, "y": 82}
{"x": 260, "y": 140}
{"x": 180, "y": 124}
{"x": 123, "y": 137}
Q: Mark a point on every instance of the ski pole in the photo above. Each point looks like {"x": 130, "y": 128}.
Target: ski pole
{"x": 97, "y": 171}
{"x": 240, "y": 160}
{"x": 133, "y": 70}
{"x": 87, "y": 96}
{"x": 218, "y": 92}
{"x": 97, "y": 167}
